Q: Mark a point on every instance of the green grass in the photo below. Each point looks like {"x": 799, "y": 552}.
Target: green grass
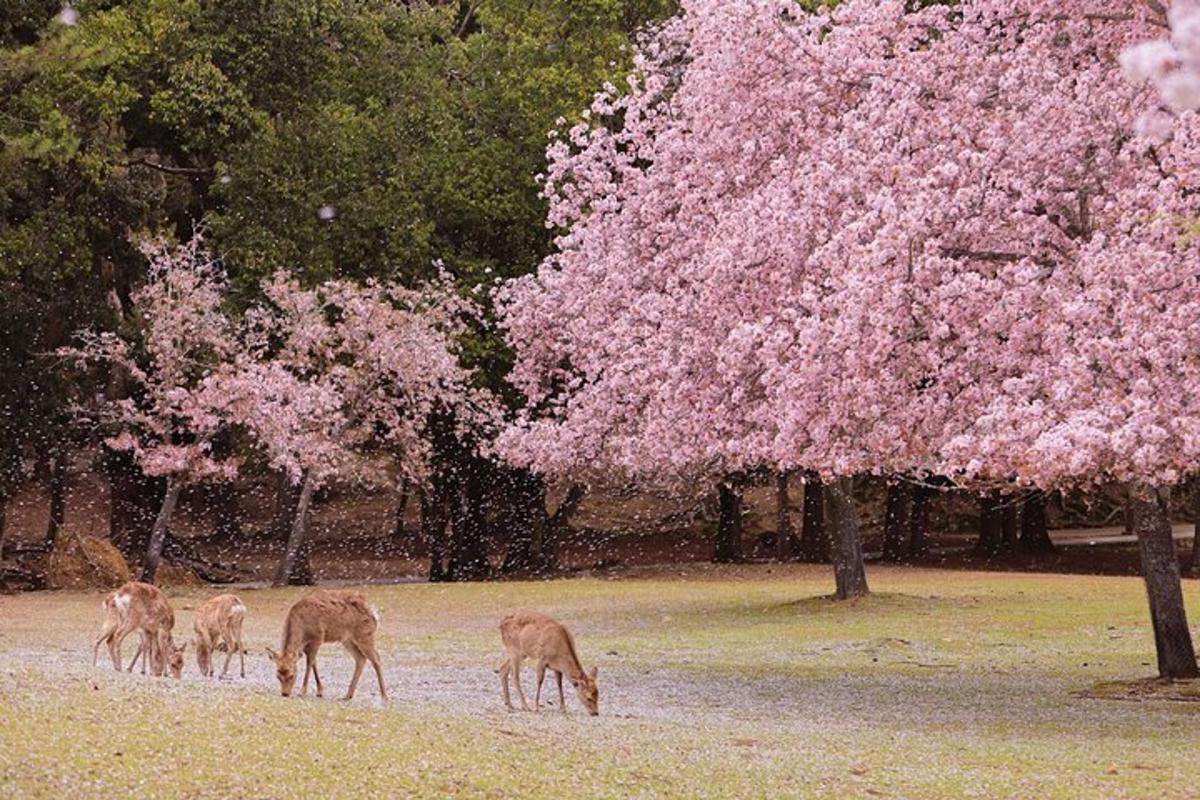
{"x": 733, "y": 682}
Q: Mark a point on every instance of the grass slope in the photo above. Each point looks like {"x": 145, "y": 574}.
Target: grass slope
{"x": 715, "y": 682}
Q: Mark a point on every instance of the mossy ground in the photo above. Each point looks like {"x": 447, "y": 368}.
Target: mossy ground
{"x": 715, "y": 682}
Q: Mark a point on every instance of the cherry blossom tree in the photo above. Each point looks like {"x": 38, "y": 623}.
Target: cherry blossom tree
{"x": 877, "y": 239}
{"x": 176, "y": 362}
{"x": 339, "y": 378}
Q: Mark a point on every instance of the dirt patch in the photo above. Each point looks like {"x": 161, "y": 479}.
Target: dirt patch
{"x": 172, "y": 575}
{"x": 86, "y": 562}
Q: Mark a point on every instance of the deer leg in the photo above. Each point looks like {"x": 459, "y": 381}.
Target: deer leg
{"x": 516, "y": 662}
{"x": 359, "y": 661}
{"x": 229, "y": 655}
{"x": 562, "y": 701}
{"x": 504, "y": 670}
{"x": 541, "y": 676}
{"x": 311, "y": 657}
{"x": 373, "y": 656}
{"x": 106, "y": 635}
{"x": 241, "y": 652}
{"x": 114, "y": 647}
{"x": 308, "y": 666}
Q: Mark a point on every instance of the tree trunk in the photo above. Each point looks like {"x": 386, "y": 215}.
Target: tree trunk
{"x": 1009, "y": 523}
{"x": 434, "y": 517}
{"x": 918, "y": 520}
{"x": 895, "y": 522}
{"x": 1160, "y": 569}
{"x": 558, "y": 525}
{"x": 3, "y": 520}
{"x": 287, "y": 500}
{"x": 526, "y": 518}
{"x": 849, "y": 572}
{"x": 729, "y": 524}
{"x": 1195, "y": 564}
{"x": 814, "y": 538}
{"x": 158, "y": 534}
{"x": 468, "y": 556}
{"x": 134, "y": 500}
{"x": 296, "y": 538}
{"x": 785, "y": 539}
{"x": 1035, "y": 533}
{"x": 399, "y": 534}
{"x": 58, "y": 497}
{"x": 991, "y": 526}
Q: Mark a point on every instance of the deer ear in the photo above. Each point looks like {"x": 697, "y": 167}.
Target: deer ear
{"x": 272, "y": 655}
{"x": 594, "y": 671}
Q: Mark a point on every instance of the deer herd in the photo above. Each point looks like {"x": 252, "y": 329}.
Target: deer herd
{"x": 322, "y": 617}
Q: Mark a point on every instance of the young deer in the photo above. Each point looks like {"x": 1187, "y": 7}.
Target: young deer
{"x": 548, "y": 644}
{"x": 219, "y": 619}
{"x": 144, "y": 608}
{"x": 321, "y": 617}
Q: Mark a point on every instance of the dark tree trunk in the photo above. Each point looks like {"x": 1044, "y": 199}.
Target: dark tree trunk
{"x": 1035, "y": 532}
{"x": 3, "y": 520}
{"x": 991, "y": 526}
{"x": 1010, "y": 521}
{"x": 399, "y": 535}
{"x": 158, "y": 534}
{"x": 525, "y": 517}
{"x": 814, "y": 538}
{"x": 895, "y": 522}
{"x": 468, "y": 554}
{"x": 1195, "y": 560}
{"x": 849, "y": 572}
{"x": 918, "y": 521}
{"x": 58, "y": 497}
{"x": 295, "y": 542}
{"x": 135, "y": 500}
{"x": 435, "y": 514}
{"x": 287, "y": 500}
{"x": 1160, "y": 569}
{"x": 559, "y": 523}
{"x": 785, "y": 539}
{"x": 729, "y": 524}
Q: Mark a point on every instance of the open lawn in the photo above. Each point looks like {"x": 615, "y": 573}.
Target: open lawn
{"x": 715, "y": 682}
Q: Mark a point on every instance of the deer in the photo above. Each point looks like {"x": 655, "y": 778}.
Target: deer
{"x": 322, "y": 617}
{"x": 143, "y": 607}
{"x": 219, "y": 619}
{"x": 548, "y": 644}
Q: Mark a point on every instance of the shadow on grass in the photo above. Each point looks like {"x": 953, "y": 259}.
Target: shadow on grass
{"x": 1143, "y": 689}
{"x": 875, "y": 602}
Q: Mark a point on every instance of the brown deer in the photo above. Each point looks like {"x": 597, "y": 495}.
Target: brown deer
{"x": 142, "y": 607}
{"x": 219, "y": 619}
{"x": 549, "y": 645}
{"x": 321, "y": 617}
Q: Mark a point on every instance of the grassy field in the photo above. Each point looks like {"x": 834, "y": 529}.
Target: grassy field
{"x": 735, "y": 682}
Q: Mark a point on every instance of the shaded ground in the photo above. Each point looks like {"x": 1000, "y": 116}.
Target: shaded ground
{"x": 715, "y": 682}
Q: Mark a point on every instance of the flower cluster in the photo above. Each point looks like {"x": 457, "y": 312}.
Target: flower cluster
{"x": 871, "y": 238}
{"x": 318, "y": 377}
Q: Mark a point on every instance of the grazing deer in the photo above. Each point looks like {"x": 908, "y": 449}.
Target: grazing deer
{"x": 142, "y": 607}
{"x": 327, "y": 616}
{"x": 219, "y": 619}
{"x": 549, "y": 645}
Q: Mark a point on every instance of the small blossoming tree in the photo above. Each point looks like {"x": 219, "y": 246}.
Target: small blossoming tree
{"x": 176, "y": 360}
{"x": 335, "y": 376}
